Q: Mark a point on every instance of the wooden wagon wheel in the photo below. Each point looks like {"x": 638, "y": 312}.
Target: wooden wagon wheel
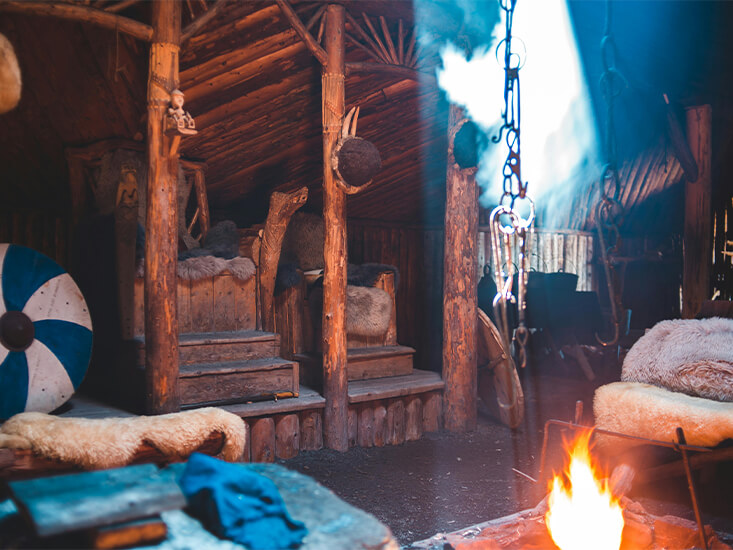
{"x": 498, "y": 382}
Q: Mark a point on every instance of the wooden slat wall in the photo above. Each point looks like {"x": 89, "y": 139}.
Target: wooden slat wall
{"x": 418, "y": 255}
{"x": 43, "y": 231}
{"x": 551, "y": 251}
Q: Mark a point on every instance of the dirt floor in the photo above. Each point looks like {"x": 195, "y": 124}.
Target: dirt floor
{"x": 448, "y": 481}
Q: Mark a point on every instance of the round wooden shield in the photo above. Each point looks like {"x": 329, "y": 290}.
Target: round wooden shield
{"x": 498, "y": 383}
{"x": 45, "y": 332}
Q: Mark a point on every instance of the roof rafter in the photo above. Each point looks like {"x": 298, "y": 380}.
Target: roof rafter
{"x": 83, "y": 14}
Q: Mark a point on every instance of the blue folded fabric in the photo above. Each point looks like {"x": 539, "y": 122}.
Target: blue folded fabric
{"x": 237, "y": 504}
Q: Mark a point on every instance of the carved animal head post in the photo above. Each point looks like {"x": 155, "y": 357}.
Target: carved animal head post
{"x": 282, "y": 207}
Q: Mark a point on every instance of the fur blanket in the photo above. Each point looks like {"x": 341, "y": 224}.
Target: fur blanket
{"x": 208, "y": 266}
{"x": 112, "y": 442}
{"x": 648, "y": 411}
{"x": 689, "y": 356}
{"x": 222, "y": 240}
{"x": 368, "y": 310}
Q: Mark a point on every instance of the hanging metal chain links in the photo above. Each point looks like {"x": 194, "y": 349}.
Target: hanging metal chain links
{"x": 609, "y": 210}
{"x": 510, "y": 232}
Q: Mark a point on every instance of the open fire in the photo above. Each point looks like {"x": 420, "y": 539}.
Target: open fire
{"x": 583, "y": 510}
{"x": 581, "y": 506}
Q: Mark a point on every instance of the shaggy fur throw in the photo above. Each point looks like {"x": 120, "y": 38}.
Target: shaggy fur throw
{"x": 648, "y": 411}
{"x": 222, "y": 241}
{"x": 10, "y": 81}
{"x": 368, "y": 310}
{"x": 112, "y": 442}
{"x": 366, "y": 274}
{"x": 303, "y": 241}
{"x": 208, "y": 266}
{"x": 288, "y": 276}
{"x": 689, "y": 356}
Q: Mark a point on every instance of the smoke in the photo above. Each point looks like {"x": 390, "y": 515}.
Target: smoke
{"x": 560, "y": 151}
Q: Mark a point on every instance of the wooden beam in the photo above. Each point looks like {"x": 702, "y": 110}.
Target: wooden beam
{"x": 200, "y": 22}
{"x": 460, "y": 279}
{"x": 397, "y": 70}
{"x": 335, "y": 387}
{"x": 119, "y": 6}
{"x": 82, "y": 14}
{"x": 305, "y": 36}
{"x": 161, "y": 227}
{"x": 698, "y": 235}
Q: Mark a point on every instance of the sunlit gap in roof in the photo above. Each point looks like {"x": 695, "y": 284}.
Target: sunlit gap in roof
{"x": 559, "y": 138}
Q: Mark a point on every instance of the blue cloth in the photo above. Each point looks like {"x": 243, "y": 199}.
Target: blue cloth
{"x": 237, "y": 504}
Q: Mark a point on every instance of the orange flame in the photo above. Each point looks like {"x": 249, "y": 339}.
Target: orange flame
{"x": 583, "y": 514}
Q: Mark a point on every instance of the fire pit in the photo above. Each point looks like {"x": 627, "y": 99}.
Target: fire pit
{"x": 581, "y": 511}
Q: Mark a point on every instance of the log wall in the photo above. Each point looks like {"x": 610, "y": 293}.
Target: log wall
{"x": 46, "y": 232}
{"x": 418, "y": 255}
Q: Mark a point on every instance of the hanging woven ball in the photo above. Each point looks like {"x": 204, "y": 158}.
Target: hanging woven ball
{"x": 45, "y": 332}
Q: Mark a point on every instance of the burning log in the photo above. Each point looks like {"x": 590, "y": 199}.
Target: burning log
{"x": 528, "y": 529}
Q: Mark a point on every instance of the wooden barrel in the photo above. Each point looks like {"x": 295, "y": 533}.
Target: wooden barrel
{"x": 498, "y": 382}
{"x": 550, "y": 251}
{"x": 45, "y": 332}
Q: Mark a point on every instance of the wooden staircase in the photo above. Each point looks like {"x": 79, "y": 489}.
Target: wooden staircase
{"x": 218, "y": 368}
{"x": 223, "y": 356}
{"x": 362, "y": 364}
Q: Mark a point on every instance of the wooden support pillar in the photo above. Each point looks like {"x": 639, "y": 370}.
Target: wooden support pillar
{"x": 161, "y": 222}
{"x": 460, "y": 276}
{"x": 335, "y": 387}
{"x": 697, "y": 240}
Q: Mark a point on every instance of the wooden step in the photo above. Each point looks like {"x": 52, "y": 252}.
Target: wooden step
{"x": 237, "y": 381}
{"x": 218, "y": 347}
{"x": 419, "y": 381}
{"x": 363, "y": 364}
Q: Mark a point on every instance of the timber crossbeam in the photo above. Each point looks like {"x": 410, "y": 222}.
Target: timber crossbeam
{"x": 82, "y": 14}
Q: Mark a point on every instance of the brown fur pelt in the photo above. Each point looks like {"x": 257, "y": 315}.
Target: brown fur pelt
{"x": 647, "y": 411}
{"x": 689, "y": 356}
{"x": 368, "y": 310}
{"x": 303, "y": 242}
{"x": 10, "y": 81}
{"x": 207, "y": 266}
{"x": 95, "y": 443}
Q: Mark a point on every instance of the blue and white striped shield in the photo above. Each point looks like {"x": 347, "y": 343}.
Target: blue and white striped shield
{"x": 45, "y": 332}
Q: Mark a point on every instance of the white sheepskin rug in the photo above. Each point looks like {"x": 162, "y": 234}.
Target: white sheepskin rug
{"x": 97, "y": 443}
{"x": 648, "y": 411}
{"x": 201, "y": 267}
{"x": 688, "y": 355}
{"x": 368, "y": 310}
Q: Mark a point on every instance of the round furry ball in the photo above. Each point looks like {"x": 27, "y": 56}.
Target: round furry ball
{"x": 10, "y": 82}
{"x": 468, "y": 145}
{"x": 358, "y": 161}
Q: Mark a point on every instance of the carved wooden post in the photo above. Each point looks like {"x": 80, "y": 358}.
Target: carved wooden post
{"x": 697, "y": 243}
{"x": 282, "y": 208}
{"x": 161, "y": 243}
{"x": 460, "y": 274}
{"x": 335, "y": 388}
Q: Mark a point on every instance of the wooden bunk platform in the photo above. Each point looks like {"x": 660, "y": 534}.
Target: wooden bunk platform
{"x": 386, "y": 411}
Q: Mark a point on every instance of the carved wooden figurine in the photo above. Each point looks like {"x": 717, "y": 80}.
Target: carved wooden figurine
{"x": 179, "y": 121}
